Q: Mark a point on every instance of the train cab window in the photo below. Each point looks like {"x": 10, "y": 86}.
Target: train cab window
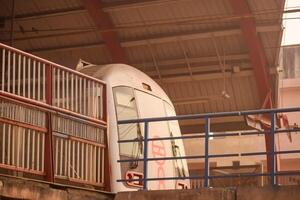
{"x": 126, "y": 108}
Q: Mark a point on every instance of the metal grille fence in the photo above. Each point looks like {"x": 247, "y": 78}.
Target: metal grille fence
{"x": 22, "y": 149}
{"x": 34, "y": 78}
{"x": 22, "y": 75}
{"x": 52, "y": 120}
{"x": 79, "y": 160}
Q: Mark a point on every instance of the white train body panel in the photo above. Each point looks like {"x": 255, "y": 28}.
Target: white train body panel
{"x": 121, "y": 80}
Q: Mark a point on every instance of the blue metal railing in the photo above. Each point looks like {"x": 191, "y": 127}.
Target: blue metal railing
{"x": 272, "y": 153}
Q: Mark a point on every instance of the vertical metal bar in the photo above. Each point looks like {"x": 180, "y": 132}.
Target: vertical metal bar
{"x": 85, "y": 96}
{"x": 48, "y": 153}
{"x": 95, "y": 163}
{"x": 273, "y": 160}
{"x": 102, "y": 165}
{"x": 67, "y": 90}
{"x": 72, "y": 92}
{"x": 145, "y": 155}
{"x": 19, "y": 74}
{"x": 63, "y": 95}
{"x": 61, "y": 156}
{"x": 33, "y": 149}
{"x": 58, "y": 87}
{"x": 24, "y": 76}
{"x": 88, "y": 98}
{"x": 3, "y": 69}
{"x": 39, "y": 82}
{"x": 80, "y": 95}
{"x": 93, "y": 107}
{"x": 69, "y": 158}
{"x": 76, "y": 94}
{"x": 56, "y": 155}
{"x": 44, "y": 82}
{"x": 206, "y": 162}
{"x": 18, "y": 145}
{"x": 86, "y": 161}
{"x": 8, "y": 71}
{"x": 91, "y": 162}
{"x": 33, "y": 79}
{"x": 101, "y": 110}
{"x": 73, "y": 159}
{"x": 14, "y": 74}
{"x": 82, "y": 160}
{"x": 77, "y": 159}
{"x": 28, "y": 148}
{"x": 96, "y": 101}
{"x": 8, "y": 144}
{"x": 23, "y": 147}
{"x": 28, "y": 78}
{"x": 3, "y": 144}
{"x": 43, "y": 150}
{"x": 38, "y": 146}
{"x": 13, "y": 142}
{"x": 54, "y": 87}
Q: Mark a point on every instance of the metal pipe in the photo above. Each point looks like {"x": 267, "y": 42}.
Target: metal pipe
{"x": 273, "y": 158}
{"x": 206, "y": 162}
{"x": 211, "y": 115}
{"x": 145, "y": 160}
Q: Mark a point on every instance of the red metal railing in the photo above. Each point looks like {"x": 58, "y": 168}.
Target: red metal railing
{"x": 52, "y": 120}
{"x": 26, "y": 75}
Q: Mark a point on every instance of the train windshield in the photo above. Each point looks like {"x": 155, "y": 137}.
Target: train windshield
{"x": 132, "y": 104}
{"x": 126, "y": 108}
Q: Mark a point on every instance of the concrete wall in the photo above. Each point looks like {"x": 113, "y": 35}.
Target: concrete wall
{"x": 16, "y": 188}
{"x": 240, "y": 193}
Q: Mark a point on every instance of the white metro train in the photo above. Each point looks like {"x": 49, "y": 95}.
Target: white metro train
{"x": 131, "y": 94}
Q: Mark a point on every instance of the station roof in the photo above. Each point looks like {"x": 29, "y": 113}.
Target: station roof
{"x": 208, "y": 55}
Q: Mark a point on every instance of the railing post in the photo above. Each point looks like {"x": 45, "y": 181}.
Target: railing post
{"x": 273, "y": 160}
{"x": 145, "y": 155}
{"x": 206, "y": 162}
{"x": 48, "y": 138}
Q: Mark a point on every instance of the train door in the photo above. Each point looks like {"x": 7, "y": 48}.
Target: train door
{"x": 152, "y": 106}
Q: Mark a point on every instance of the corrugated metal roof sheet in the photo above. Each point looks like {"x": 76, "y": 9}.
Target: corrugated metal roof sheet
{"x": 137, "y": 25}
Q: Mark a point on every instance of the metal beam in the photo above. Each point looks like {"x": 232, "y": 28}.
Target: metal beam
{"x": 48, "y": 36}
{"x": 66, "y": 48}
{"x": 49, "y": 13}
{"x": 119, "y": 5}
{"x": 200, "y": 77}
{"x": 256, "y": 52}
{"x": 258, "y": 61}
{"x": 109, "y": 36}
{"x": 146, "y": 41}
{"x": 196, "y": 35}
{"x": 199, "y": 100}
{"x": 204, "y": 59}
{"x": 198, "y": 68}
{"x": 107, "y": 6}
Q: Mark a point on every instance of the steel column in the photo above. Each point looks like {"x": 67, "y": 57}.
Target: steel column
{"x": 258, "y": 60}
{"x": 48, "y": 138}
{"x": 107, "y": 32}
